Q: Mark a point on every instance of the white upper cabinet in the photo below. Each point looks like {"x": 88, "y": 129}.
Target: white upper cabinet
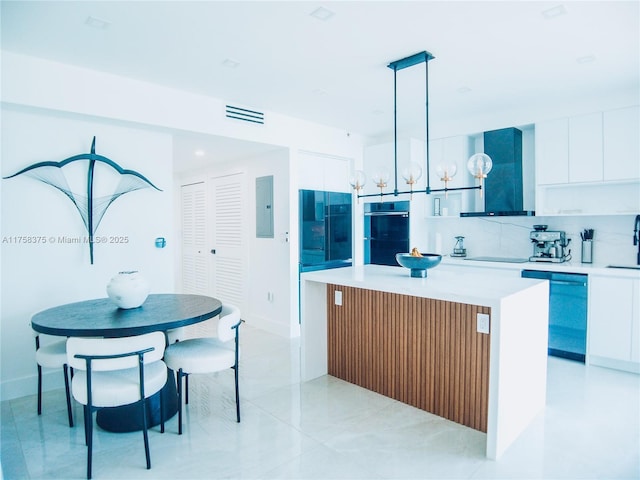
{"x": 621, "y": 144}
{"x": 589, "y": 164}
{"x": 317, "y": 171}
{"x": 552, "y": 151}
{"x": 585, "y": 148}
{"x": 569, "y": 150}
{"x": 336, "y": 174}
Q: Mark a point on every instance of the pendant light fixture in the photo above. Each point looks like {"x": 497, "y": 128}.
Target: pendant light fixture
{"x": 479, "y": 165}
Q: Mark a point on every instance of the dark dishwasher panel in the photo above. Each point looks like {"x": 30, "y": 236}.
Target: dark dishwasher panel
{"x": 567, "y": 313}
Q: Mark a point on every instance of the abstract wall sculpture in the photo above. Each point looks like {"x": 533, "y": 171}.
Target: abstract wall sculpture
{"x": 115, "y": 181}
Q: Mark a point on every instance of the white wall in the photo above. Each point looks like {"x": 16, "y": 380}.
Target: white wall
{"x": 269, "y": 288}
{"x": 130, "y": 107}
{"x": 40, "y": 83}
{"x": 41, "y": 275}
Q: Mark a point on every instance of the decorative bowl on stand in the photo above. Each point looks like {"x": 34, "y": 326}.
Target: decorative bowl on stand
{"x": 419, "y": 265}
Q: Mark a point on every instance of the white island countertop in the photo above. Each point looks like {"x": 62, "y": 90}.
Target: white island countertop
{"x": 442, "y": 282}
{"x": 518, "y": 331}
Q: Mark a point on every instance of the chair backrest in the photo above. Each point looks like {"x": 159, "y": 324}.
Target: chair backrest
{"x": 229, "y": 316}
{"x": 115, "y": 346}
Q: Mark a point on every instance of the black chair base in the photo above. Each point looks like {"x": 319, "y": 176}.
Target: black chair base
{"x": 65, "y": 370}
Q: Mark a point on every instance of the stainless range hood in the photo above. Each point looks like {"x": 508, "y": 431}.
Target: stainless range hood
{"x": 503, "y": 192}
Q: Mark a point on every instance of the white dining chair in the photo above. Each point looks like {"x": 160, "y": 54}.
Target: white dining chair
{"x": 207, "y": 355}
{"x": 176, "y": 334}
{"x": 52, "y": 355}
{"x": 111, "y": 372}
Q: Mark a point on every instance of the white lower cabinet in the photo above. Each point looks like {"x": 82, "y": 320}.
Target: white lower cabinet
{"x": 614, "y": 322}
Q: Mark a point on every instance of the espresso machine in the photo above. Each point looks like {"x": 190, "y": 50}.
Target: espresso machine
{"x": 549, "y": 245}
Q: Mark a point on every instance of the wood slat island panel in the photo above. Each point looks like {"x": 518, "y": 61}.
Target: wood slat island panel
{"x": 420, "y": 351}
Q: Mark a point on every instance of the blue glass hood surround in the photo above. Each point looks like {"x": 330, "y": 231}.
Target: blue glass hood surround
{"x": 503, "y": 192}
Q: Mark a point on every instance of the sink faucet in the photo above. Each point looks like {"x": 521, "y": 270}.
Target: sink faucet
{"x": 636, "y": 236}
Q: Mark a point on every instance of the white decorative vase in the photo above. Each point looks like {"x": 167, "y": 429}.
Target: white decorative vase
{"x": 128, "y": 289}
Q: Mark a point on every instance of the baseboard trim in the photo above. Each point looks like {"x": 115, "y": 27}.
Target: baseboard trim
{"x": 25, "y": 386}
{"x": 624, "y": 365}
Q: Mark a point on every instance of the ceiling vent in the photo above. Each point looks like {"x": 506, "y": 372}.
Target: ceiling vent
{"x": 245, "y": 115}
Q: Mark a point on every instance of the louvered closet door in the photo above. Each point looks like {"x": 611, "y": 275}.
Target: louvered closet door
{"x": 195, "y": 254}
{"x": 230, "y": 227}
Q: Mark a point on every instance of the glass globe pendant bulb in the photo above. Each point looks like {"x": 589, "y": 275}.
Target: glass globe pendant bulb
{"x": 357, "y": 179}
{"x": 412, "y": 173}
{"x": 380, "y": 178}
{"x": 479, "y": 165}
{"x": 446, "y": 174}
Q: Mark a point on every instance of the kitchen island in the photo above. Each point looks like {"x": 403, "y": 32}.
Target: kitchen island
{"x": 471, "y": 348}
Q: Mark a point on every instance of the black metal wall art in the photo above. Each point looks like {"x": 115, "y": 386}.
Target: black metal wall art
{"x": 92, "y": 208}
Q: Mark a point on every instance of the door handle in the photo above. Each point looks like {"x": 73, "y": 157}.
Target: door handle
{"x": 566, "y": 282}
{"x": 213, "y": 251}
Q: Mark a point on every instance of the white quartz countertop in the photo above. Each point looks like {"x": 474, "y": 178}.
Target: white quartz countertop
{"x": 443, "y": 282}
{"x": 565, "y": 267}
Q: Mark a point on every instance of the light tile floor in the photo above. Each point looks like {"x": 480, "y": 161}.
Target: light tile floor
{"x": 330, "y": 429}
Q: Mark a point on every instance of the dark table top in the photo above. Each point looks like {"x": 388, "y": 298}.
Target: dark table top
{"x": 101, "y": 317}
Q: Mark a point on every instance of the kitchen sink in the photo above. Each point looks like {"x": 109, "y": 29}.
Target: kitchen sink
{"x": 630, "y": 267}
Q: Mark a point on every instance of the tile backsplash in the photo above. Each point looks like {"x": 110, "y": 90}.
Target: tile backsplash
{"x": 509, "y": 236}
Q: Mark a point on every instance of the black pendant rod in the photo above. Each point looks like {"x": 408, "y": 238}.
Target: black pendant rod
{"x": 432, "y": 190}
{"x": 395, "y": 131}
{"x": 426, "y": 110}
{"x": 416, "y": 59}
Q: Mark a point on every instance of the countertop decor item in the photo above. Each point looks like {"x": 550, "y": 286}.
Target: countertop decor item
{"x": 587, "y": 245}
{"x": 458, "y": 249}
{"x": 419, "y": 265}
{"x": 128, "y": 289}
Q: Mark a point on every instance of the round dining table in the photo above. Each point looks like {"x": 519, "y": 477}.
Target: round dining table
{"x": 102, "y": 318}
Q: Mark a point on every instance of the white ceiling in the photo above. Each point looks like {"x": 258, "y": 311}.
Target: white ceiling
{"x": 490, "y": 56}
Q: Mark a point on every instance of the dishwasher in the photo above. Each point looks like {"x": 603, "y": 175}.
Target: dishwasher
{"x": 567, "y": 313}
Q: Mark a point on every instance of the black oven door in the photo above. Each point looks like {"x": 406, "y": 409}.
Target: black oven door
{"x": 386, "y": 234}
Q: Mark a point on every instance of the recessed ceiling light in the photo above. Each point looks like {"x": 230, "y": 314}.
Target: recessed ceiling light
{"x": 554, "y": 12}
{"x": 322, "y": 13}
{"x": 97, "y": 23}
{"x": 199, "y": 153}
{"x": 586, "y": 59}
{"x": 229, "y": 63}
